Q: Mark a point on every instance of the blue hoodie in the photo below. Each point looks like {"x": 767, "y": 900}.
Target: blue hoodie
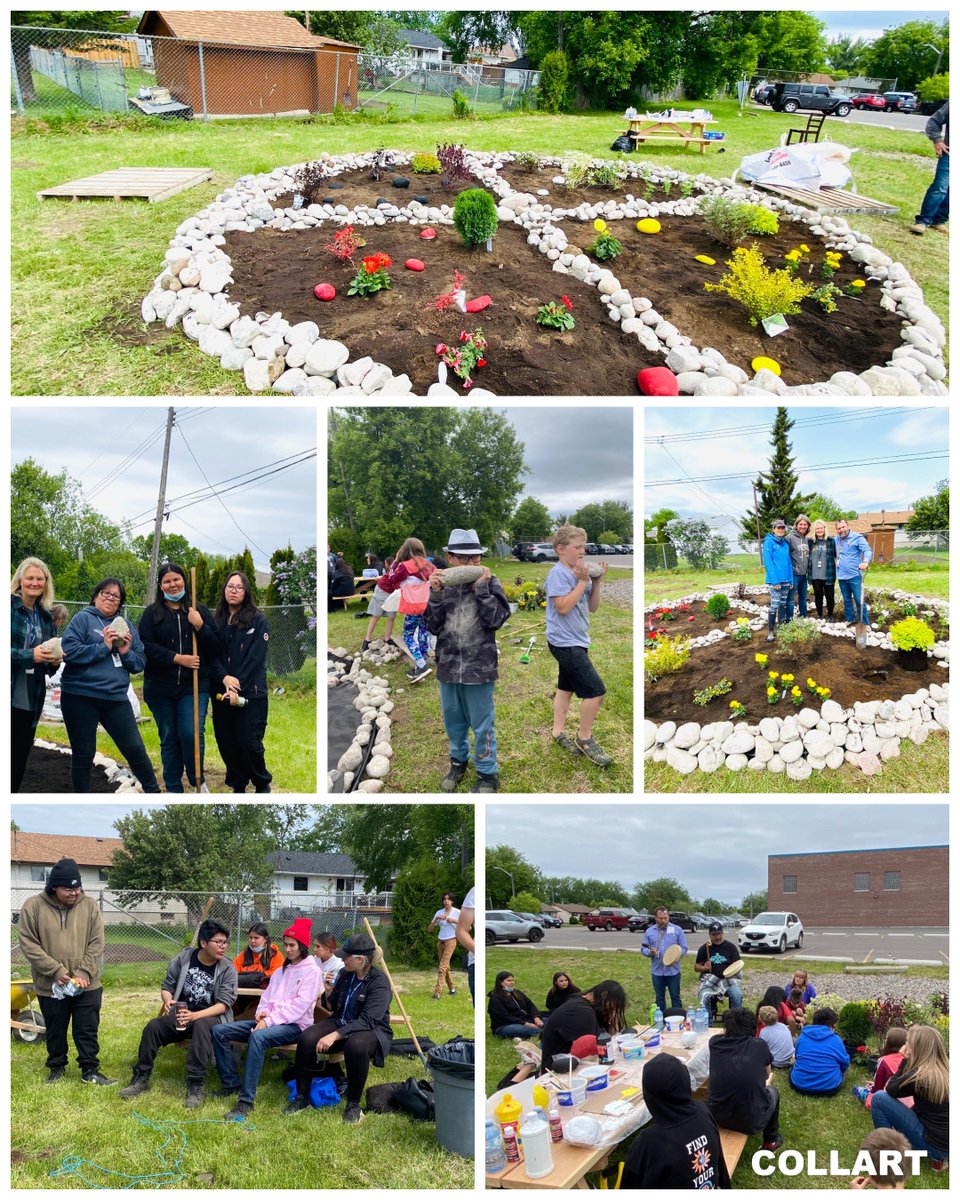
{"x": 89, "y": 668}
{"x": 776, "y": 560}
{"x": 820, "y": 1060}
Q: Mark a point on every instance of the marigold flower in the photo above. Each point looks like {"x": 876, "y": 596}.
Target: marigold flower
{"x": 771, "y": 691}
{"x": 773, "y": 674}
{"x": 805, "y": 248}
{"x": 857, "y": 283}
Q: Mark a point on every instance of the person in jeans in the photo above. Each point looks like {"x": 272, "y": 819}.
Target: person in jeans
{"x": 198, "y": 992}
{"x": 445, "y": 922}
{"x": 465, "y": 935}
{"x": 800, "y": 543}
{"x": 923, "y": 1075}
{"x": 853, "y": 557}
{"x": 778, "y": 575}
{"x": 100, "y": 653}
{"x": 935, "y": 209}
{"x": 656, "y": 942}
{"x": 741, "y": 1095}
{"x": 283, "y": 1012}
{"x": 512, "y": 1013}
{"x": 822, "y": 569}
{"x": 61, "y": 937}
{"x": 31, "y": 660}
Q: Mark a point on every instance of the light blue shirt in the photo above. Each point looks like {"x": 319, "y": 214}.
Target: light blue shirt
{"x": 574, "y": 628}
{"x": 672, "y": 936}
{"x": 851, "y": 552}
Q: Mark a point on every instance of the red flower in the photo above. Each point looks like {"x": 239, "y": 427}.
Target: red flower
{"x": 464, "y": 336}
{"x": 441, "y": 348}
{"x": 567, "y": 302}
{"x": 481, "y": 362}
{"x": 385, "y": 260}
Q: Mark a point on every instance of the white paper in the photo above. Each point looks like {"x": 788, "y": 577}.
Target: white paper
{"x": 442, "y": 372}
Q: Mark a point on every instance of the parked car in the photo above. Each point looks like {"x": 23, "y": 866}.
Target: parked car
{"x": 628, "y": 549}
{"x": 905, "y": 102}
{"x": 870, "y": 100}
{"x": 591, "y": 548}
{"x": 771, "y": 931}
{"x": 551, "y": 922}
{"x": 520, "y": 550}
{"x": 811, "y": 97}
{"x": 641, "y": 922}
{"x": 541, "y": 552}
{"x": 684, "y": 920}
{"x": 608, "y": 919}
{"x": 538, "y": 918}
{"x": 501, "y": 925}
{"x": 605, "y": 549}
{"x": 764, "y": 92}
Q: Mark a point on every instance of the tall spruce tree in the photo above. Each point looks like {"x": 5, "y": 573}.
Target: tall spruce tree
{"x": 777, "y": 494}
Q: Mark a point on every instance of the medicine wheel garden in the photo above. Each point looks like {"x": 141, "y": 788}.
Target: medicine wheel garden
{"x": 501, "y": 273}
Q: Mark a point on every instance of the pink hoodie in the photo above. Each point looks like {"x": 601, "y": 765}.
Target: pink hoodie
{"x": 291, "y": 994}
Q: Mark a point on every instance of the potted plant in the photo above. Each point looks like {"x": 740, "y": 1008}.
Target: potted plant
{"x": 854, "y": 1027}
{"x": 912, "y": 638}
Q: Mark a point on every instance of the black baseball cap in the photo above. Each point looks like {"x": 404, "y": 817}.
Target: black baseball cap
{"x": 714, "y": 927}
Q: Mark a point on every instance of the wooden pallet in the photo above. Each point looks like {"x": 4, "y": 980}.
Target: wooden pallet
{"x": 830, "y": 200}
{"x": 141, "y": 183}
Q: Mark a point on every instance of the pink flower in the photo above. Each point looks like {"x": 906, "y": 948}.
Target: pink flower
{"x": 441, "y": 348}
{"x": 467, "y": 383}
{"x": 464, "y": 336}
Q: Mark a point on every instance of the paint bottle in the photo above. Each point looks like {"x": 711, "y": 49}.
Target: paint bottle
{"x": 556, "y": 1125}
{"x": 603, "y": 1048}
{"x": 509, "y": 1113}
{"x": 510, "y": 1148}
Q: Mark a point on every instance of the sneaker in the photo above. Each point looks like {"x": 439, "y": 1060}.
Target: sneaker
{"x": 436, "y": 997}
{"x": 138, "y": 1085}
{"x": 297, "y": 1105}
{"x": 452, "y": 992}
{"x": 937, "y": 1164}
{"x": 593, "y": 752}
{"x": 775, "y": 1144}
{"x": 56, "y": 1074}
{"x": 566, "y": 742}
{"x": 415, "y": 674}
{"x": 240, "y": 1111}
{"x": 352, "y": 1114}
{"x": 96, "y": 1077}
{"x": 451, "y": 781}
{"x": 941, "y": 228}
{"x": 195, "y": 1093}
{"x": 487, "y": 783}
{"x": 861, "y": 1092}
{"x": 770, "y": 636}
{"x": 919, "y": 229}
{"x": 365, "y": 645}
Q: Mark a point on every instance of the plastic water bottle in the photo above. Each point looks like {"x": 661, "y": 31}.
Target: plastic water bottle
{"x": 690, "y": 1021}
{"x": 658, "y": 1018}
{"x": 653, "y": 1010}
{"x": 703, "y": 1020}
{"x": 496, "y": 1160}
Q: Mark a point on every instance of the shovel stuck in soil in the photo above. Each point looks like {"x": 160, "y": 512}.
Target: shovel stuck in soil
{"x": 861, "y": 630}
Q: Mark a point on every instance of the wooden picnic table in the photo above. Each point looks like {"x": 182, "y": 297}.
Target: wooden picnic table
{"x": 688, "y": 130}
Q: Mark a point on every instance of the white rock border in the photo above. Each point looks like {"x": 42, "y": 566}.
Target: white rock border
{"x": 124, "y": 778}
{"x": 294, "y": 360}
{"x": 865, "y": 735}
{"x": 374, "y": 706}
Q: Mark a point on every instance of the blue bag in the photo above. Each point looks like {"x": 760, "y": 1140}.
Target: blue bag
{"x": 323, "y": 1091}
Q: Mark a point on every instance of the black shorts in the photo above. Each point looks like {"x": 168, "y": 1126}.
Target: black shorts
{"x": 577, "y": 672}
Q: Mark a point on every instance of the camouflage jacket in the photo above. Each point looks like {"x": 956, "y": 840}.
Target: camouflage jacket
{"x": 465, "y": 619}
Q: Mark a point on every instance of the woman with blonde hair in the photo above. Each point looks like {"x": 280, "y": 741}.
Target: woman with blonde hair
{"x": 31, "y": 661}
{"x": 822, "y": 569}
{"x": 924, "y": 1074}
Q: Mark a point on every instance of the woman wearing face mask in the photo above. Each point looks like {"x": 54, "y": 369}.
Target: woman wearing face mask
{"x": 100, "y": 653}
{"x": 512, "y": 1014}
{"x": 167, "y": 629}
{"x": 255, "y": 964}
{"x": 31, "y": 595}
{"x": 778, "y": 574}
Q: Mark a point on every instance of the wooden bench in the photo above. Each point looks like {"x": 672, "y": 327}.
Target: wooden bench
{"x": 345, "y": 600}
{"x": 337, "y": 1056}
{"x": 732, "y": 1144}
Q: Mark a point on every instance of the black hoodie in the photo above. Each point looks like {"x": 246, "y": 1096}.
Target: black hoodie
{"x": 165, "y": 633}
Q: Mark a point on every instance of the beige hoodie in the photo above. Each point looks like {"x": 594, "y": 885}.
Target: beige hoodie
{"x": 59, "y": 941}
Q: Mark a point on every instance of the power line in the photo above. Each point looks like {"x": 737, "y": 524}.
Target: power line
{"x": 842, "y": 415}
{"x": 692, "y": 485}
{"x": 126, "y": 463}
{"x": 857, "y": 462}
{"x": 217, "y": 496}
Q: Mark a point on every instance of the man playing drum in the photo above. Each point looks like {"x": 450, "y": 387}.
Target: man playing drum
{"x": 718, "y": 964}
{"x": 665, "y": 945}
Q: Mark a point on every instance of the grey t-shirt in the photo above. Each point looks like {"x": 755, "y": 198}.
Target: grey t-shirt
{"x": 574, "y": 628}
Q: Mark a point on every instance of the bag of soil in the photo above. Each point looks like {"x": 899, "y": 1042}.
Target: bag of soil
{"x": 623, "y": 144}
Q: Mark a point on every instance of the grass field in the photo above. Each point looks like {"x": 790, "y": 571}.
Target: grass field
{"x": 95, "y": 1125}
{"x": 80, "y": 269}
{"x": 290, "y": 742}
{"x": 838, "y": 1122}
{"x": 529, "y": 761}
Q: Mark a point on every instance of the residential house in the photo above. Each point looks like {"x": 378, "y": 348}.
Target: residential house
{"x": 565, "y": 911}
{"x": 426, "y": 48}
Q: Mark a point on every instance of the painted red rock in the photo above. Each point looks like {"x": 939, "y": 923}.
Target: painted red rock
{"x": 428, "y": 233}
{"x": 478, "y": 304}
{"x": 324, "y": 291}
{"x": 413, "y": 264}
{"x": 657, "y": 381}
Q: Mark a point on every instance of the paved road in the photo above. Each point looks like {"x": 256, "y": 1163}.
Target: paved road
{"x": 919, "y": 945}
{"x": 614, "y": 560}
{"x": 903, "y": 122}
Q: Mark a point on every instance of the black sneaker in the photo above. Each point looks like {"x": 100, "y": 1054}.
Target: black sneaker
{"x": 415, "y": 674}
{"x": 297, "y": 1105}
{"x": 775, "y": 1144}
{"x": 240, "y": 1111}
{"x": 451, "y": 781}
{"x": 56, "y": 1074}
{"x": 96, "y": 1077}
{"x": 195, "y": 1093}
{"x": 487, "y": 783}
{"x": 365, "y": 646}
{"x": 352, "y": 1114}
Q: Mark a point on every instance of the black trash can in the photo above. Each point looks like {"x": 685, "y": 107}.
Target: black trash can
{"x": 452, "y": 1068}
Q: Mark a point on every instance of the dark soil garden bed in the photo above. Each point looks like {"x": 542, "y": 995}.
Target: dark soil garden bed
{"x": 276, "y": 271}
{"x": 356, "y": 188}
{"x": 525, "y": 179}
{"x": 49, "y": 771}
{"x": 663, "y": 267}
{"x": 836, "y": 663}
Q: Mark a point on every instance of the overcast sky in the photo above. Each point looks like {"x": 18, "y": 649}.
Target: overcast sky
{"x": 91, "y": 442}
{"x": 871, "y": 23}
{"x": 576, "y": 455}
{"x": 717, "y": 850}
{"x": 727, "y": 440}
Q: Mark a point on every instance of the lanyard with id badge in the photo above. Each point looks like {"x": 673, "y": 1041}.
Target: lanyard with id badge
{"x": 33, "y": 635}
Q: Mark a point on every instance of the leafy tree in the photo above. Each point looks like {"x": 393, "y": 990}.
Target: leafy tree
{"x": 777, "y": 494}
{"x": 789, "y": 40}
{"x": 174, "y": 547}
{"x": 373, "y": 31}
{"x": 526, "y": 877}
{"x": 663, "y": 891}
{"x": 488, "y": 465}
{"x": 203, "y": 577}
{"x": 900, "y": 53}
{"x": 416, "y": 897}
{"x": 14, "y": 827}
{"x": 844, "y": 55}
{"x": 554, "y": 93}
{"x": 713, "y": 907}
{"x": 608, "y": 537}
{"x": 935, "y": 89}
{"x": 531, "y": 522}
{"x": 526, "y": 902}
{"x": 825, "y": 508}
{"x": 607, "y": 520}
{"x": 931, "y": 512}
{"x": 660, "y": 522}
{"x": 702, "y": 549}
{"x": 54, "y": 29}
{"x": 754, "y": 902}
{"x": 463, "y": 30}
{"x": 570, "y": 889}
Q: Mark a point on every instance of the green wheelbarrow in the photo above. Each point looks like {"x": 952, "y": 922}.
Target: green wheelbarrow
{"x": 26, "y": 1022}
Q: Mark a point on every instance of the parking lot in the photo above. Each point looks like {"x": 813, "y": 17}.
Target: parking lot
{"x": 914, "y": 945}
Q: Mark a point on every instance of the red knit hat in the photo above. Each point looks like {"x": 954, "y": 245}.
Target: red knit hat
{"x": 300, "y": 930}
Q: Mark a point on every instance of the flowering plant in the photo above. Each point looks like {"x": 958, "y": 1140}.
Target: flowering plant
{"x": 445, "y": 299}
{"x": 824, "y": 296}
{"x": 372, "y": 275}
{"x": 811, "y": 684}
{"x": 705, "y": 695}
{"x": 796, "y": 696}
{"x": 773, "y": 695}
{"x": 555, "y": 315}
{"x": 463, "y": 358}
{"x": 792, "y": 258}
{"x": 830, "y": 264}
{"x": 760, "y": 660}
{"x": 855, "y": 287}
{"x": 344, "y": 244}
{"x": 737, "y": 709}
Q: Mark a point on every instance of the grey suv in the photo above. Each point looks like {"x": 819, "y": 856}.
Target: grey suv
{"x": 811, "y": 97}
{"x": 501, "y": 925}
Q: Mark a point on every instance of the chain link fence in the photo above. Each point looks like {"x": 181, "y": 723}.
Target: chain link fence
{"x": 153, "y": 927}
{"x": 58, "y": 71}
{"x": 293, "y": 632}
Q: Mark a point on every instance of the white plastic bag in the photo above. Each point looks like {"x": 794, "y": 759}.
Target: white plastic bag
{"x": 806, "y": 164}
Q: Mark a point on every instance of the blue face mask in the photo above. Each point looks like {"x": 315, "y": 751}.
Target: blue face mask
{"x": 508, "y": 987}
{"x": 175, "y": 596}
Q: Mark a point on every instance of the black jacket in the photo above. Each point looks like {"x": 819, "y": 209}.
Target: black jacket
{"x": 244, "y": 655}
{"x": 465, "y": 618}
{"x": 510, "y": 1008}
{"x": 577, "y": 1018}
{"x": 371, "y": 1011}
{"x": 167, "y": 632}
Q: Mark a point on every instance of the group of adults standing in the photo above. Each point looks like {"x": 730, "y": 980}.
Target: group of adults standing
{"x": 806, "y": 555}
{"x": 177, "y": 640}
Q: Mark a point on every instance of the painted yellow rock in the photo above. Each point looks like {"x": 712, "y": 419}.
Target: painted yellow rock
{"x": 706, "y": 260}
{"x": 761, "y": 362}
{"x": 648, "y": 225}
{"x": 599, "y": 225}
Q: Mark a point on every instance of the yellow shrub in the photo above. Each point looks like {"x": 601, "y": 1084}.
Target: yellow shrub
{"x": 762, "y": 292}
{"x": 667, "y": 656}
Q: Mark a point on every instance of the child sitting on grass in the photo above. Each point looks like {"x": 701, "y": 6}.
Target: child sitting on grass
{"x": 776, "y": 1035}
{"x": 571, "y": 596}
{"x": 887, "y": 1172}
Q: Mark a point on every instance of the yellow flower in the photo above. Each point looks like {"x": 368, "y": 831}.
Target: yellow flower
{"x": 826, "y": 693}
{"x": 599, "y": 225}
{"x": 792, "y": 256}
{"x": 821, "y": 691}
{"x": 543, "y": 604}
{"x": 771, "y": 691}
{"x": 734, "y": 703}
{"x": 773, "y": 674}
{"x": 805, "y": 248}
{"x": 760, "y": 658}
{"x": 857, "y": 283}
{"x": 795, "y": 691}
{"x": 787, "y": 678}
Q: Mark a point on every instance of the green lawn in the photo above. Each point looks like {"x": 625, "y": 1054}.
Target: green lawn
{"x": 80, "y": 269}
{"x": 386, "y": 1152}
{"x": 290, "y": 742}
{"x": 529, "y": 761}
{"x": 838, "y": 1122}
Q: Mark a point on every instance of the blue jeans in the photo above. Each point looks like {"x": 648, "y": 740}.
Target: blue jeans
{"x": 800, "y": 587}
{"x": 174, "y": 720}
{"x": 470, "y": 974}
{"x": 889, "y": 1113}
{"x": 935, "y": 209}
{"x": 733, "y": 993}
{"x": 661, "y": 983}
{"x": 852, "y": 590}
{"x": 781, "y": 601}
{"x": 259, "y": 1041}
{"x": 518, "y": 1030}
{"x": 467, "y": 706}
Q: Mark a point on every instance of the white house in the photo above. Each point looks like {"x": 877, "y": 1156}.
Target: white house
{"x": 425, "y": 47}
{"x": 313, "y": 877}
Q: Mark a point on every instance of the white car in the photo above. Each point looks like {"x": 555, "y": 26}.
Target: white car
{"x": 771, "y": 931}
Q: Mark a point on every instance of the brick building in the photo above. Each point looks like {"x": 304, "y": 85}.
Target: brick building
{"x": 902, "y": 885}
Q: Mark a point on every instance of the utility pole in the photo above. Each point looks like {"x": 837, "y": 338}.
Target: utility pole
{"x": 161, "y": 502}
{"x": 756, "y": 511}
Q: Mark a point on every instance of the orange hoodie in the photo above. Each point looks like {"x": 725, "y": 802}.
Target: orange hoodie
{"x": 274, "y": 957}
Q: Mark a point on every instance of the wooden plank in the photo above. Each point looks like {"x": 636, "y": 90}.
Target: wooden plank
{"x": 830, "y": 200}
{"x": 147, "y": 183}
{"x": 732, "y": 1144}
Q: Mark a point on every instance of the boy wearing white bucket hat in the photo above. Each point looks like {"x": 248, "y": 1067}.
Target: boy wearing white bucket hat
{"x": 464, "y": 617}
